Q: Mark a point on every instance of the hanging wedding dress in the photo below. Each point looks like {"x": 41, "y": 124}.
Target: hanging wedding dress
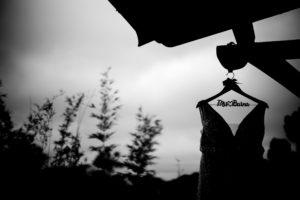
{"x": 231, "y": 164}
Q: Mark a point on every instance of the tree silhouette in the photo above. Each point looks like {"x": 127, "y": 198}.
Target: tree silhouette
{"x": 39, "y": 124}
{"x": 292, "y": 127}
{"x": 6, "y": 124}
{"x": 143, "y": 143}
{"x": 67, "y": 148}
{"x": 279, "y": 151}
{"x": 18, "y": 153}
{"x": 108, "y": 157}
{"x": 6, "y": 127}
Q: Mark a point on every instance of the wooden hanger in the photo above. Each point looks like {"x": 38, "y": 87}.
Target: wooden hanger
{"x": 231, "y": 84}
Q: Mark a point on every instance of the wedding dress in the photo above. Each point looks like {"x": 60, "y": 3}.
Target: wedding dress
{"x": 231, "y": 164}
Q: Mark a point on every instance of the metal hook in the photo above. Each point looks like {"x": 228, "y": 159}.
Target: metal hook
{"x": 232, "y": 75}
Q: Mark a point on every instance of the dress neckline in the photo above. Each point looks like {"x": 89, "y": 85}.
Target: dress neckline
{"x": 227, "y": 125}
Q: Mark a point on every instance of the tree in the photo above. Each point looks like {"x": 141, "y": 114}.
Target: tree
{"x": 279, "y": 151}
{"x": 19, "y": 154}
{"x": 107, "y": 157}
{"x": 39, "y": 124}
{"x": 6, "y": 124}
{"x": 67, "y": 148}
{"x": 291, "y": 127}
{"x": 143, "y": 144}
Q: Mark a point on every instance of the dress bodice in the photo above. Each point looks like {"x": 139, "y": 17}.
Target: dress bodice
{"x": 217, "y": 135}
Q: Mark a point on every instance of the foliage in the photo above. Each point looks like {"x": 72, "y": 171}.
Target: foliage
{"x": 143, "y": 144}
{"x": 67, "y": 148}
{"x": 291, "y": 127}
{"x": 6, "y": 124}
{"x": 17, "y": 149}
{"x": 39, "y": 124}
{"x": 108, "y": 157}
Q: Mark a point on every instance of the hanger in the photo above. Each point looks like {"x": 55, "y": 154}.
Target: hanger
{"x": 231, "y": 84}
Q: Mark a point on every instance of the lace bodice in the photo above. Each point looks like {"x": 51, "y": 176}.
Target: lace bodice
{"x": 217, "y": 135}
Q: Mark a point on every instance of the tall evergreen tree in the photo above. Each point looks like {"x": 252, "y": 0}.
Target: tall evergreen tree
{"x": 67, "y": 148}
{"x": 107, "y": 157}
{"x": 141, "y": 150}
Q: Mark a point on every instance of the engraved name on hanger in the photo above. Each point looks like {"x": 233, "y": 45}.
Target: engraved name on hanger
{"x": 232, "y": 103}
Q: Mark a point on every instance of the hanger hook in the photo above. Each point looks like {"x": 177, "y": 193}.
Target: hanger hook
{"x": 232, "y": 75}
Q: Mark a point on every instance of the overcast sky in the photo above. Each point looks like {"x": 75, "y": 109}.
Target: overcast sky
{"x": 48, "y": 45}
